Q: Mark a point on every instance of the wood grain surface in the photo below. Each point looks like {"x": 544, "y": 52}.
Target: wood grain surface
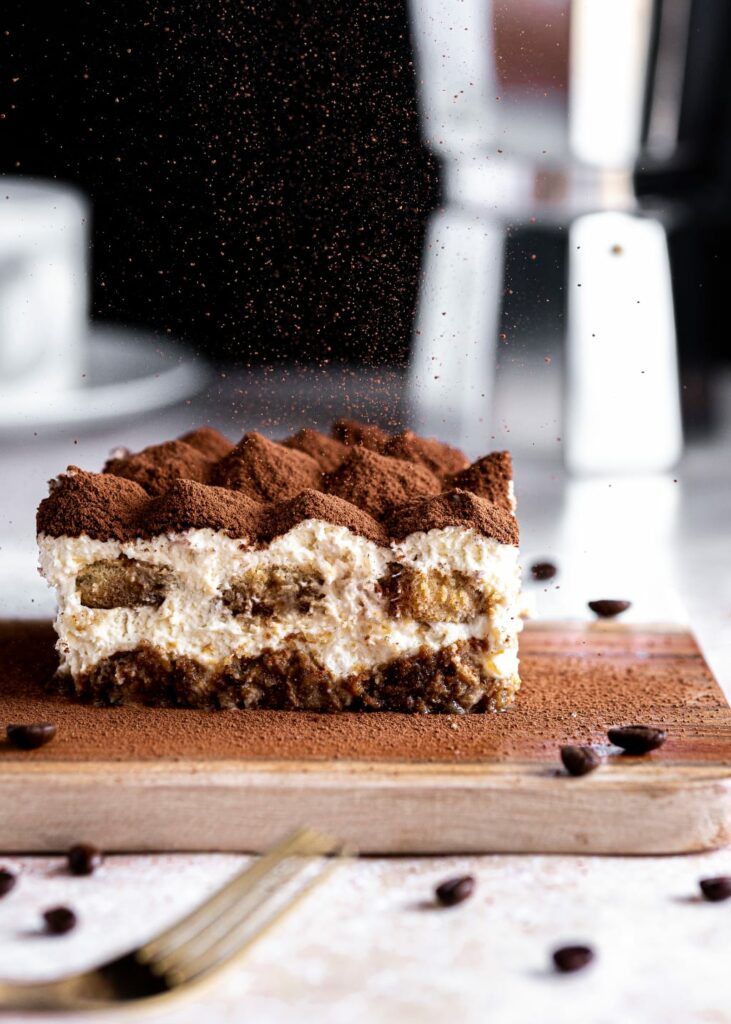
{"x": 162, "y": 779}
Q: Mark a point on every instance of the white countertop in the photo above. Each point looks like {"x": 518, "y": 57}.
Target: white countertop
{"x": 364, "y": 947}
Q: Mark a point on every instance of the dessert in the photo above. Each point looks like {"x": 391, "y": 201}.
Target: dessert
{"x": 361, "y": 571}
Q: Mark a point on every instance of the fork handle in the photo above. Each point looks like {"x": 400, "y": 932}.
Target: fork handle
{"x": 47, "y": 995}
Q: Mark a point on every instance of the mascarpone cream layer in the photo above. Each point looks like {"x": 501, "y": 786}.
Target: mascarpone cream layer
{"x": 348, "y": 630}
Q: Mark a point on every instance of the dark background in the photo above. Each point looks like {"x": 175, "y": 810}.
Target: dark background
{"x": 258, "y": 182}
{"x": 257, "y": 179}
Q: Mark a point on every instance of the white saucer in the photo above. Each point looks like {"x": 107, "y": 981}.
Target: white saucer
{"x": 128, "y": 372}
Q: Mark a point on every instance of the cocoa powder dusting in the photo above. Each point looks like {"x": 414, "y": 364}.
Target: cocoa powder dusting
{"x": 577, "y": 683}
{"x": 377, "y": 483}
{"x": 355, "y": 433}
{"x": 265, "y": 470}
{"x": 453, "y": 508}
{"x": 192, "y": 506}
{"x": 209, "y": 441}
{"x": 101, "y": 506}
{"x": 489, "y": 477}
{"x": 326, "y": 451}
{"x": 201, "y": 481}
{"x": 437, "y": 457}
{"x": 311, "y": 504}
{"x": 157, "y": 467}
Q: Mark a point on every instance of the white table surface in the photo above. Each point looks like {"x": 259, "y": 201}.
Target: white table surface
{"x": 365, "y": 947}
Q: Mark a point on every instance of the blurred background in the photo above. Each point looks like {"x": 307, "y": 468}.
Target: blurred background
{"x": 260, "y": 186}
{"x": 258, "y": 183}
{"x": 505, "y": 223}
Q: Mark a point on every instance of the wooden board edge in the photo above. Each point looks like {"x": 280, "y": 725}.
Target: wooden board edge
{"x": 616, "y": 771}
{"x": 377, "y": 812}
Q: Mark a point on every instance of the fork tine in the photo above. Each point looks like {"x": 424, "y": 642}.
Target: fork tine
{"x": 157, "y": 951}
{"x": 202, "y": 916}
{"x": 242, "y": 905}
{"x": 246, "y": 931}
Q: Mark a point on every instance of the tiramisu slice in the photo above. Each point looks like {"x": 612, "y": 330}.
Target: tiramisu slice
{"x": 361, "y": 571}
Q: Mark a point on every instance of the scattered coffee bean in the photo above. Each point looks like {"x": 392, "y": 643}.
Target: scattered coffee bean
{"x": 580, "y": 760}
{"x": 59, "y": 920}
{"x": 543, "y": 570}
{"x": 7, "y": 881}
{"x": 455, "y": 890}
{"x": 608, "y": 609}
{"x": 30, "y": 737}
{"x": 637, "y": 739}
{"x": 716, "y": 889}
{"x": 572, "y": 958}
{"x": 84, "y": 859}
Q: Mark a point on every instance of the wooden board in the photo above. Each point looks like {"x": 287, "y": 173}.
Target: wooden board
{"x": 163, "y": 779}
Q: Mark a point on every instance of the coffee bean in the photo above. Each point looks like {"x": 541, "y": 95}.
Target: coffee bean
{"x": 543, "y": 570}
{"x": 29, "y": 737}
{"x": 84, "y": 859}
{"x": 455, "y": 890}
{"x": 608, "y": 609}
{"x": 580, "y": 760}
{"x": 7, "y": 881}
{"x": 637, "y": 739}
{"x": 59, "y": 920}
{"x": 716, "y": 889}
{"x": 572, "y": 958}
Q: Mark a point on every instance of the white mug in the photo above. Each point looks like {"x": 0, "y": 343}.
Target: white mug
{"x": 44, "y": 244}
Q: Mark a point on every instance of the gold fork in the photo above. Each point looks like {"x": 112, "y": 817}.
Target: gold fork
{"x": 204, "y": 942}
